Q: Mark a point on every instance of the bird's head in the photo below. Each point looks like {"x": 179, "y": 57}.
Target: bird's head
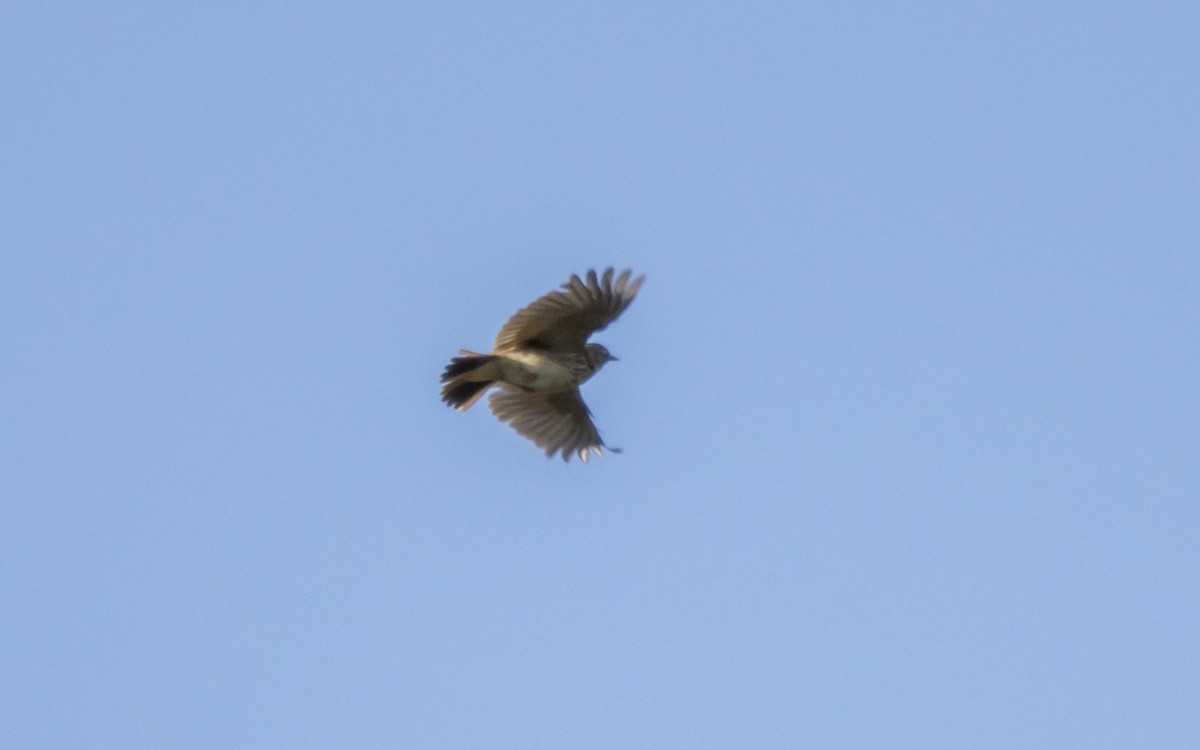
{"x": 597, "y": 355}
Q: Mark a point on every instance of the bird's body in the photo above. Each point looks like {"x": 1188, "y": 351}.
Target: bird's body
{"x": 536, "y": 370}
{"x": 540, "y": 359}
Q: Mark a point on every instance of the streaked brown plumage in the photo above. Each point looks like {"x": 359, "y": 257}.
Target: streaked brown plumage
{"x": 540, "y": 358}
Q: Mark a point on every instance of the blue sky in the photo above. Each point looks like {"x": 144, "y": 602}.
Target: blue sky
{"x": 908, "y": 401}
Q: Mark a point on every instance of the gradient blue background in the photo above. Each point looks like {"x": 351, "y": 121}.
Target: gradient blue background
{"x": 909, "y": 401}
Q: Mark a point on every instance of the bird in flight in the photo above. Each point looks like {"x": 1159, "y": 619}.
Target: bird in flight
{"x": 540, "y": 358}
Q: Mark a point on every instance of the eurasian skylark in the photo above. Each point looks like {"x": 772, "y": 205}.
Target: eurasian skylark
{"x": 540, "y": 357}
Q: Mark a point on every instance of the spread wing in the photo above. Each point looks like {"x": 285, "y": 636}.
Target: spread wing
{"x": 556, "y": 422}
{"x": 563, "y": 320}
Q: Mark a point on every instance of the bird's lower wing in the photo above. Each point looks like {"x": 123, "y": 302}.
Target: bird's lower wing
{"x": 555, "y": 422}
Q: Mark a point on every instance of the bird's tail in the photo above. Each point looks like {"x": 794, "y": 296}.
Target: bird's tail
{"x": 467, "y": 377}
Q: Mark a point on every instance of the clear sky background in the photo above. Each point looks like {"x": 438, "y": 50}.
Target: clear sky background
{"x": 909, "y": 400}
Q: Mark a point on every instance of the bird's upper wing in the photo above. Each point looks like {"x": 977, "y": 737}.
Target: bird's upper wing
{"x": 563, "y": 320}
{"x": 556, "y": 422}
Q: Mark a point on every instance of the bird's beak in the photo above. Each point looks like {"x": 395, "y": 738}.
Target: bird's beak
{"x": 613, "y": 359}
